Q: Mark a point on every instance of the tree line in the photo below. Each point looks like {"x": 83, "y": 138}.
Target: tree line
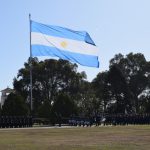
{"x": 60, "y": 91}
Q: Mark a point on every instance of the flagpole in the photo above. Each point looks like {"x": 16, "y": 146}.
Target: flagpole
{"x": 30, "y": 61}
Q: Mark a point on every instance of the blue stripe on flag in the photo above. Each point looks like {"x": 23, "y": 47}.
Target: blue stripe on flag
{"x": 85, "y": 60}
{"x": 61, "y": 32}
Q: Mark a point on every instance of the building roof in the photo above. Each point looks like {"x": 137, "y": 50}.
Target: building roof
{"x": 7, "y": 90}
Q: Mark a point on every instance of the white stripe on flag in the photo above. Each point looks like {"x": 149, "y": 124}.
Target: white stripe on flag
{"x": 64, "y": 44}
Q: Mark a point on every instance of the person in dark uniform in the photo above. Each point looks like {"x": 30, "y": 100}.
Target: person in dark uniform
{"x": 59, "y": 117}
{"x": 0, "y": 122}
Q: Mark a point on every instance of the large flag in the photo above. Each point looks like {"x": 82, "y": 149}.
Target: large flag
{"x": 55, "y": 41}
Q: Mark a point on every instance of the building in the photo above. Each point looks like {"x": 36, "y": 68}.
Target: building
{"x": 4, "y": 94}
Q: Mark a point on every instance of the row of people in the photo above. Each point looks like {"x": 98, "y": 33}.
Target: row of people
{"x": 78, "y": 121}
{"x": 125, "y": 119}
{"x": 15, "y": 121}
{"x": 111, "y": 119}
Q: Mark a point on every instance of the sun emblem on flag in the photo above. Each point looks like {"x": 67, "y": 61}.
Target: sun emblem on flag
{"x": 63, "y": 44}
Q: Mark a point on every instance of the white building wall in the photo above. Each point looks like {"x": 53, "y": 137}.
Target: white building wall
{"x": 4, "y": 94}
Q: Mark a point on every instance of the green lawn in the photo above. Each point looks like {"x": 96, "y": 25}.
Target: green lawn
{"x": 95, "y": 138}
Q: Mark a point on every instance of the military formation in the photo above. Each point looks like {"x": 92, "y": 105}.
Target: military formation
{"x": 127, "y": 119}
{"x": 15, "y": 121}
{"x": 80, "y": 121}
{"x": 102, "y": 119}
{"x": 111, "y": 119}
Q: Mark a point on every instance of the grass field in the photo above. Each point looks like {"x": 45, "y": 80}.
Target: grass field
{"x": 94, "y": 138}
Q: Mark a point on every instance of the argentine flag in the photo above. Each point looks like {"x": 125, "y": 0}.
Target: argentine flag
{"x": 55, "y": 41}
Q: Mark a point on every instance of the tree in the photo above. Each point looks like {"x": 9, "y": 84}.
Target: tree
{"x": 144, "y": 101}
{"x": 101, "y": 87}
{"x": 89, "y": 104}
{"x": 0, "y": 110}
{"x": 45, "y": 110}
{"x": 63, "y": 107}
{"x": 120, "y": 90}
{"x": 14, "y": 106}
{"x": 136, "y": 71}
{"x": 50, "y": 77}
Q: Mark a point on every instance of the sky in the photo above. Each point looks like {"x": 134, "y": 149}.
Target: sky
{"x": 116, "y": 26}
